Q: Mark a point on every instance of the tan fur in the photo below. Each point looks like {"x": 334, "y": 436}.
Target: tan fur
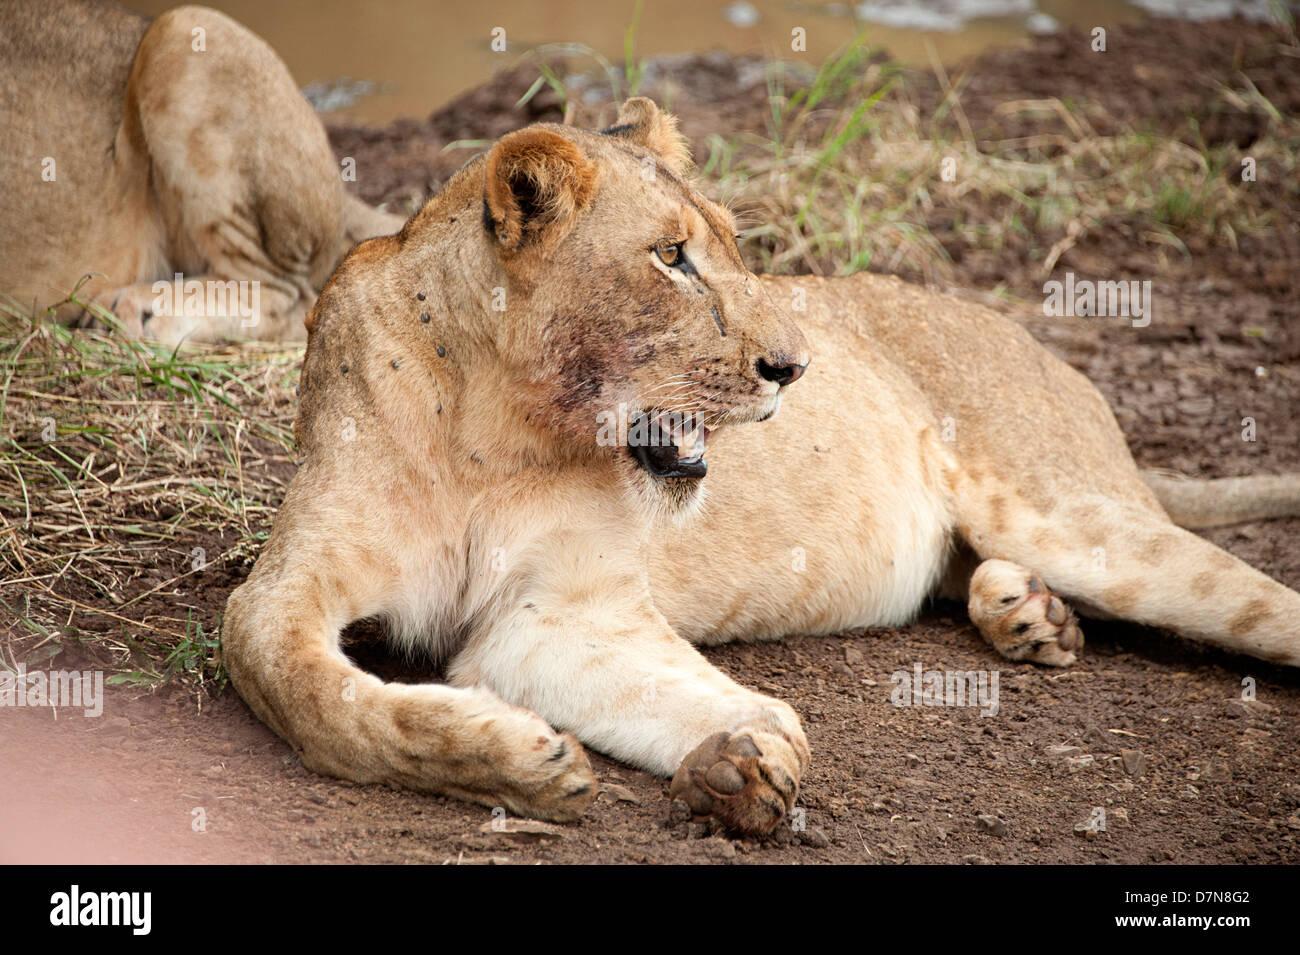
{"x": 455, "y": 483}
{"x": 558, "y": 182}
{"x": 167, "y": 159}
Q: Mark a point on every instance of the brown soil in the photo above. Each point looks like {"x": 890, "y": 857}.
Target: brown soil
{"x": 1219, "y": 780}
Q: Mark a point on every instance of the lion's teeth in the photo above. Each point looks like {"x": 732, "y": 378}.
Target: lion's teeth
{"x": 688, "y": 447}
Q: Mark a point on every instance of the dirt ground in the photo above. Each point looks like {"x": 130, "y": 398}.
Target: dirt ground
{"x": 1152, "y": 729}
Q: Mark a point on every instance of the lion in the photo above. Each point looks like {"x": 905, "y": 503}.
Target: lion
{"x": 531, "y": 441}
{"x": 176, "y": 163}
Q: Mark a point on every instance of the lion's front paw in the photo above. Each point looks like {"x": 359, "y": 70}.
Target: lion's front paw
{"x": 550, "y": 778}
{"x": 571, "y": 787}
{"x": 748, "y": 780}
{"x": 500, "y": 756}
{"x": 127, "y": 310}
{"x": 134, "y": 311}
{"x": 1020, "y": 617}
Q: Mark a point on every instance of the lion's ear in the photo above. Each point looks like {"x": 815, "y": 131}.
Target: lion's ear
{"x": 642, "y": 122}
{"x": 535, "y": 183}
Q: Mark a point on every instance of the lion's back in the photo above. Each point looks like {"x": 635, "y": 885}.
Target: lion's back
{"x": 64, "y": 66}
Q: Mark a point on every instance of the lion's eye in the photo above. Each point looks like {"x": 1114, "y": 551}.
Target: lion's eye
{"x": 670, "y": 255}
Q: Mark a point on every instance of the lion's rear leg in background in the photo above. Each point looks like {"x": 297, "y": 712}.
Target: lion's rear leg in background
{"x": 250, "y": 196}
{"x": 280, "y": 645}
{"x": 1114, "y": 559}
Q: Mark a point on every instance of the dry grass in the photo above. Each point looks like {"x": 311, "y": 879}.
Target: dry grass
{"x": 850, "y": 176}
{"x": 126, "y": 473}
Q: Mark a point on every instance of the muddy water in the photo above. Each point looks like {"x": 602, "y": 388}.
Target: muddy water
{"x": 419, "y": 53}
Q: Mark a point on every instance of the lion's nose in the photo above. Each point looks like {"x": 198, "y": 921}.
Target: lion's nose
{"x": 781, "y": 371}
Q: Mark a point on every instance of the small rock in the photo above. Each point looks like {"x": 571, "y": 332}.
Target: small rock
{"x": 813, "y": 837}
{"x": 722, "y": 849}
{"x": 913, "y": 760}
{"x": 782, "y": 836}
{"x": 853, "y": 657}
{"x": 212, "y": 772}
{"x": 976, "y": 860}
{"x": 741, "y": 14}
{"x": 697, "y": 830}
{"x": 1089, "y": 828}
{"x": 1217, "y": 771}
{"x": 1293, "y": 822}
{"x": 1100, "y": 741}
{"x": 991, "y": 825}
{"x": 1134, "y": 760}
{"x": 679, "y": 813}
{"x": 1256, "y": 708}
{"x": 1041, "y": 24}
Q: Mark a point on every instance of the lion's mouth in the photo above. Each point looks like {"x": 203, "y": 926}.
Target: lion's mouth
{"x": 669, "y": 444}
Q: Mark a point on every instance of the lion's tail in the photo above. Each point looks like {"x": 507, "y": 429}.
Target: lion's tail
{"x": 1197, "y": 502}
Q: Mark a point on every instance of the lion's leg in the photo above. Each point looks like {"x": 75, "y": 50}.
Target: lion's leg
{"x": 625, "y": 684}
{"x": 1115, "y": 559}
{"x": 280, "y": 646}
{"x": 247, "y": 186}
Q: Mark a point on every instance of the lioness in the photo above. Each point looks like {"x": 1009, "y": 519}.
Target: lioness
{"x": 176, "y": 159}
{"x": 462, "y": 479}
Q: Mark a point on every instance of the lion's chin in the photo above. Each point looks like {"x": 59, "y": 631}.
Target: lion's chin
{"x": 668, "y": 462}
{"x": 668, "y": 501}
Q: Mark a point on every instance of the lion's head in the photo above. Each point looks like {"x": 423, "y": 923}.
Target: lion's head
{"x": 628, "y": 299}
{"x": 571, "y": 288}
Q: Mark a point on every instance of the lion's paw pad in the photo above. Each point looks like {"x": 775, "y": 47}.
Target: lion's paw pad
{"x": 744, "y": 780}
{"x": 1021, "y": 617}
